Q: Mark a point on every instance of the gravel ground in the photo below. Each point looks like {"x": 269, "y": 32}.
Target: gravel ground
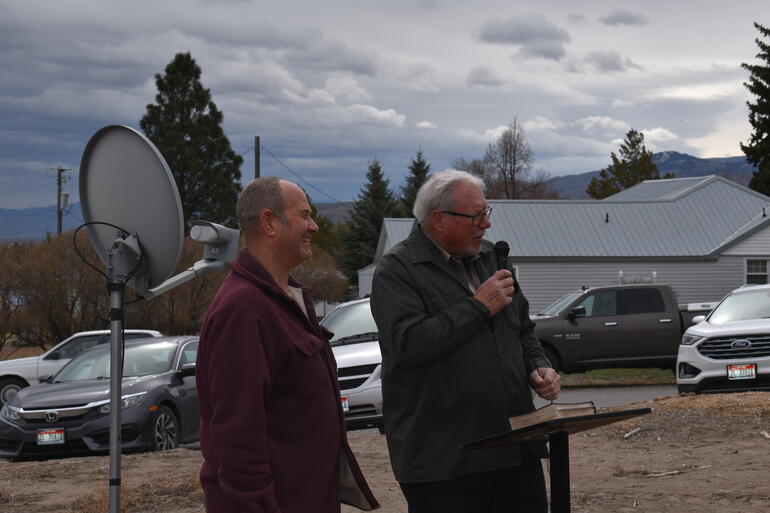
{"x": 706, "y": 453}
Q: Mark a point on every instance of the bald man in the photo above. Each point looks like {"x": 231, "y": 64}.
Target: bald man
{"x": 272, "y": 429}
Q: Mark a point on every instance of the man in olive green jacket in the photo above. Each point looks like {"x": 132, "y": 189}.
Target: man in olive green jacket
{"x": 459, "y": 357}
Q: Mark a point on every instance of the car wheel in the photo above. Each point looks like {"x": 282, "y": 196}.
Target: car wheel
{"x": 165, "y": 429}
{"x": 552, "y": 358}
{"x": 9, "y": 387}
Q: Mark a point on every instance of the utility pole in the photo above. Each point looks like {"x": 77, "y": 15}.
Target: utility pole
{"x": 60, "y": 205}
{"x": 256, "y": 157}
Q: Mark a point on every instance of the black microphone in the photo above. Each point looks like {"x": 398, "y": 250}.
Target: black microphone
{"x": 501, "y": 253}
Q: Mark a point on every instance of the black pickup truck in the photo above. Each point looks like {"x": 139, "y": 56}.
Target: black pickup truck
{"x": 615, "y": 326}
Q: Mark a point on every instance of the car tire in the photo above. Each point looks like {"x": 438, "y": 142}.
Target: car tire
{"x": 164, "y": 429}
{"x": 552, "y": 358}
{"x": 9, "y": 387}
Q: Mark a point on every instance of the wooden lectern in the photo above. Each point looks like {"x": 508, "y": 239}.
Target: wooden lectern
{"x": 556, "y": 431}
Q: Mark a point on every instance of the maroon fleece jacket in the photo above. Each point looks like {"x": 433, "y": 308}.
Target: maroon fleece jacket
{"x": 272, "y": 428}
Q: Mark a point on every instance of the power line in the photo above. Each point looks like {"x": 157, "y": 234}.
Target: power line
{"x": 69, "y": 212}
{"x": 298, "y": 176}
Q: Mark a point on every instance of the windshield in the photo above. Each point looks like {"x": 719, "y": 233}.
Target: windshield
{"x": 556, "y": 307}
{"x": 141, "y": 360}
{"x": 351, "y": 323}
{"x": 742, "y": 306}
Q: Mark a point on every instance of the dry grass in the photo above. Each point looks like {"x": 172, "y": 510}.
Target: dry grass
{"x": 693, "y": 418}
{"x": 618, "y": 377}
{"x": 159, "y": 495}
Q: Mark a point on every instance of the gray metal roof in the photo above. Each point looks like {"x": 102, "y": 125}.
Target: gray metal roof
{"x": 393, "y": 231}
{"x": 698, "y": 220}
{"x": 672, "y": 189}
{"x": 659, "y": 190}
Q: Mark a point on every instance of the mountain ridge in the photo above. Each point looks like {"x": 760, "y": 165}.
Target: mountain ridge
{"x": 681, "y": 165}
{"x": 34, "y": 223}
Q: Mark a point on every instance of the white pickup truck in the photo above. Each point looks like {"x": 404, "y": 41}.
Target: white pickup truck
{"x": 18, "y": 373}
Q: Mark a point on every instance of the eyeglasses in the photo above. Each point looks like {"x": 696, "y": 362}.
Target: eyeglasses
{"x": 475, "y": 220}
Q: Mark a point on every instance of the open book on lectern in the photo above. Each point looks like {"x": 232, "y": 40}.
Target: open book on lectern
{"x": 551, "y": 412}
{"x": 554, "y": 418}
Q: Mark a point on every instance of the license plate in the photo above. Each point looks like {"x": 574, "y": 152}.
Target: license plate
{"x": 50, "y": 436}
{"x": 345, "y": 405}
{"x": 742, "y": 371}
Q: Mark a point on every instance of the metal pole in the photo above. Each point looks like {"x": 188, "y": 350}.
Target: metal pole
{"x": 60, "y": 180}
{"x": 256, "y": 157}
{"x": 116, "y": 380}
{"x": 560, "y": 494}
{"x": 58, "y": 200}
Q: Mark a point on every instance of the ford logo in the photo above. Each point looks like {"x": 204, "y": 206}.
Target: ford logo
{"x": 741, "y": 343}
{"x": 51, "y": 416}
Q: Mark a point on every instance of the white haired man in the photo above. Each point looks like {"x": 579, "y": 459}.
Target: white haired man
{"x": 459, "y": 358}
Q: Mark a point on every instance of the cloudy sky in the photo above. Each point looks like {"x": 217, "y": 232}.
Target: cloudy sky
{"x": 329, "y": 86}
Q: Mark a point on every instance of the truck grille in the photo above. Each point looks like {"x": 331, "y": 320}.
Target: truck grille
{"x": 354, "y": 377}
{"x": 723, "y": 348}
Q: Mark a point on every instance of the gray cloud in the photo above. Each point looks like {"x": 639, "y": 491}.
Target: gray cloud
{"x": 428, "y": 4}
{"x": 610, "y": 61}
{"x": 484, "y": 76}
{"x": 327, "y": 92}
{"x": 624, "y": 17}
{"x": 534, "y": 35}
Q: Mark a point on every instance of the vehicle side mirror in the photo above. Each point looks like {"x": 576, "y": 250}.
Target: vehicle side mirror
{"x": 698, "y": 318}
{"x": 576, "y": 312}
{"x": 188, "y": 369}
{"x": 53, "y": 356}
{"x": 46, "y": 378}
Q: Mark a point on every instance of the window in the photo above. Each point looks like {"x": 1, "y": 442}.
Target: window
{"x": 74, "y": 347}
{"x": 188, "y": 354}
{"x": 134, "y": 336}
{"x": 756, "y": 272}
{"x": 601, "y": 304}
{"x": 639, "y": 301}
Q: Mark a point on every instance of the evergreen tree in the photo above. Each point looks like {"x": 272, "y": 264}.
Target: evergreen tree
{"x": 418, "y": 173}
{"x": 375, "y": 202}
{"x": 327, "y": 239}
{"x": 758, "y": 148}
{"x": 186, "y": 126}
{"x": 634, "y": 166}
{"x": 321, "y": 273}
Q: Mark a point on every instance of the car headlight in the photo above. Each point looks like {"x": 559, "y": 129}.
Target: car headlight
{"x": 688, "y": 340}
{"x": 126, "y": 402}
{"x": 9, "y": 413}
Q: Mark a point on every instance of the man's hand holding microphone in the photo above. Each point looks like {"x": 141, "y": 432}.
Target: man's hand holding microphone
{"x": 495, "y": 294}
{"x": 497, "y": 291}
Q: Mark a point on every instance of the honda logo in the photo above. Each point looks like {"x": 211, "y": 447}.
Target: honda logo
{"x": 51, "y": 416}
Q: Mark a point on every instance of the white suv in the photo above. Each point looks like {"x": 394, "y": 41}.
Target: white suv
{"x": 357, "y": 351}
{"x": 18, "y": 373}
{"x": 730, "y": 349}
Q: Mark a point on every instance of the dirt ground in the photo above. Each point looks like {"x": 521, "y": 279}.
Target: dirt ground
{"x": 707, "y": 453}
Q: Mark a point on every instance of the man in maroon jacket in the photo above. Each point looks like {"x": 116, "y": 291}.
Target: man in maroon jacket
{"x": 272, "y": 429}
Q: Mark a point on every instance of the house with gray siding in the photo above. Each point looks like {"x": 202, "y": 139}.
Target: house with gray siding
{"x": 703, "y": 236}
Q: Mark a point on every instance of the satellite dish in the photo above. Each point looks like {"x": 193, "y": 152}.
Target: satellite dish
{"x": 134, "y": 218}
{"x": 124, "y": 181}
